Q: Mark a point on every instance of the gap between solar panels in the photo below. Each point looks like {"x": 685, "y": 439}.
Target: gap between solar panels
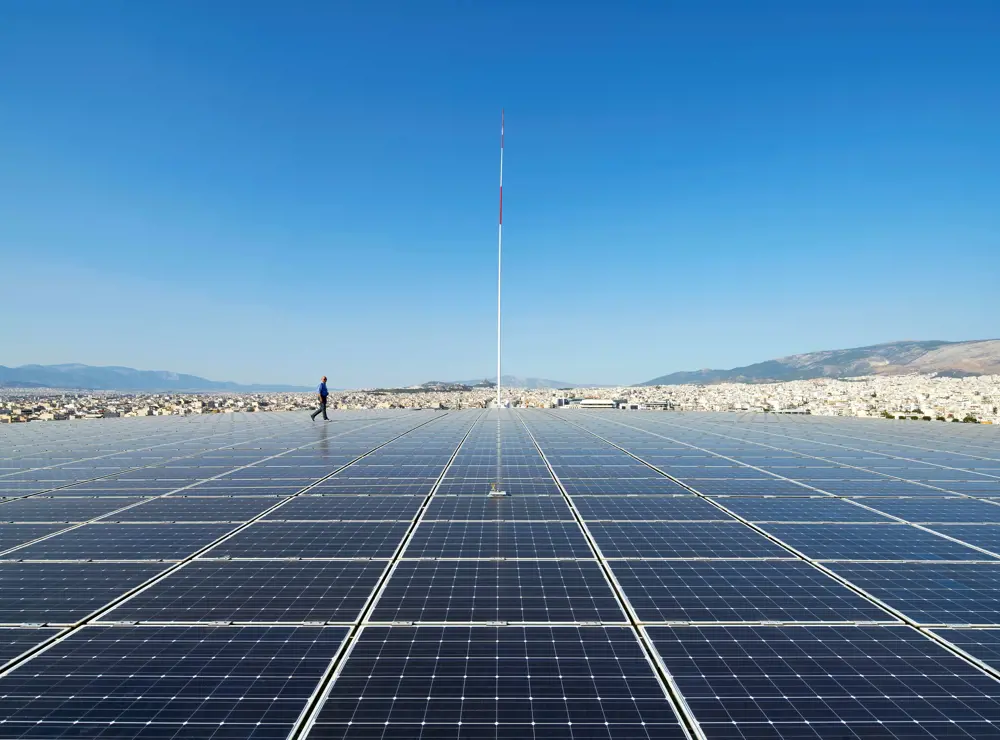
{"x": 77, "y": 525}
{"x": 310, "y": 712}
{"x": 926, "y": 631}
{"x": 94, "y": 617}
{"x": 670, "y": 688}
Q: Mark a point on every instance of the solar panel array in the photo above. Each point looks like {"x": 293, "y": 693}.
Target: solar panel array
{"x": 647, "y": 575}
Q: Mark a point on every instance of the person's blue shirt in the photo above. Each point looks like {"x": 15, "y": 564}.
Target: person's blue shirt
{"x": 322, "y": 390}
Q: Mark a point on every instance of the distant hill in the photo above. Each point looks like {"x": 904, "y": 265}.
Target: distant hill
{"x": 87, "y": 377}
{"x": 512, "y": 381}
{"x": 955, "y": 359}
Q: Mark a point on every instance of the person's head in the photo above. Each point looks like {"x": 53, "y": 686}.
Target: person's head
{"x": 324, "y": 379}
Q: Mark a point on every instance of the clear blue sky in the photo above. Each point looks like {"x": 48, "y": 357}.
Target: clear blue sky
{"x": 270, "y": 191}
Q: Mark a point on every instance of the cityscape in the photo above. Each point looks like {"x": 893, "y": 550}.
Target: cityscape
{"x": 912, "y": 397}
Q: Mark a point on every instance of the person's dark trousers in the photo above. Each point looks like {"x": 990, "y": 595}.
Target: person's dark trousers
{"x": 322, "y": 408}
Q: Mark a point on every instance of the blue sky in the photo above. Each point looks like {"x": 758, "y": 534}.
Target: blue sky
{"x": 265, "y": 192}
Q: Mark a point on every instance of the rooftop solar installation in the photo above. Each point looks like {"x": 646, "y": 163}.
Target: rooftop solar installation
{"x": 646, "y": 575}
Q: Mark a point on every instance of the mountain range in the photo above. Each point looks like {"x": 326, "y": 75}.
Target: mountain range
{"x": 88, "y": 377}
{"x": 956, "y": 359}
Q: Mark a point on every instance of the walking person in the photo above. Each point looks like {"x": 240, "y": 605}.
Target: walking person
{"x": 323, "y": 393}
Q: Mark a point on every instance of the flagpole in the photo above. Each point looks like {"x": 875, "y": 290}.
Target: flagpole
{"x": 499, "y": 264}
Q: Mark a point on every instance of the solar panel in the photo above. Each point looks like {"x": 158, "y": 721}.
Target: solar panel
{"x": 177, "y": 508}
{"x": 571, "y": 682}
{"x": 648, "y": 508}
{"x": 436, "y": 539}
{"x": 64, "y": 508}
{"x": 986, "y": 536}
{"x": 983, "y": 644}
{"x": 739, "y": 591}
{"x": 788, "y": 509}
{"x": 812, "y": 681}
{"x": 355, "y": 507}
{"x": 448, "y": 507}
{"x": 870, "y": 542}
{"x": 490, "y": 591}
{"x": 256, "y": 591}
{"x": 124, "y": 542}
{"x": 269, "y": 539}
{"x": 168, "y": 682}
{"x": 938, "y": 509}
{"x": 41, "y": 593}
{"x": 683, "y": 540}
{"x": 932, "y": 593}
{"x": 14, "y": 535}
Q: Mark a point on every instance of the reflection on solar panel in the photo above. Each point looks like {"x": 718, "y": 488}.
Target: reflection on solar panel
{"x": 670, "y": 575}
